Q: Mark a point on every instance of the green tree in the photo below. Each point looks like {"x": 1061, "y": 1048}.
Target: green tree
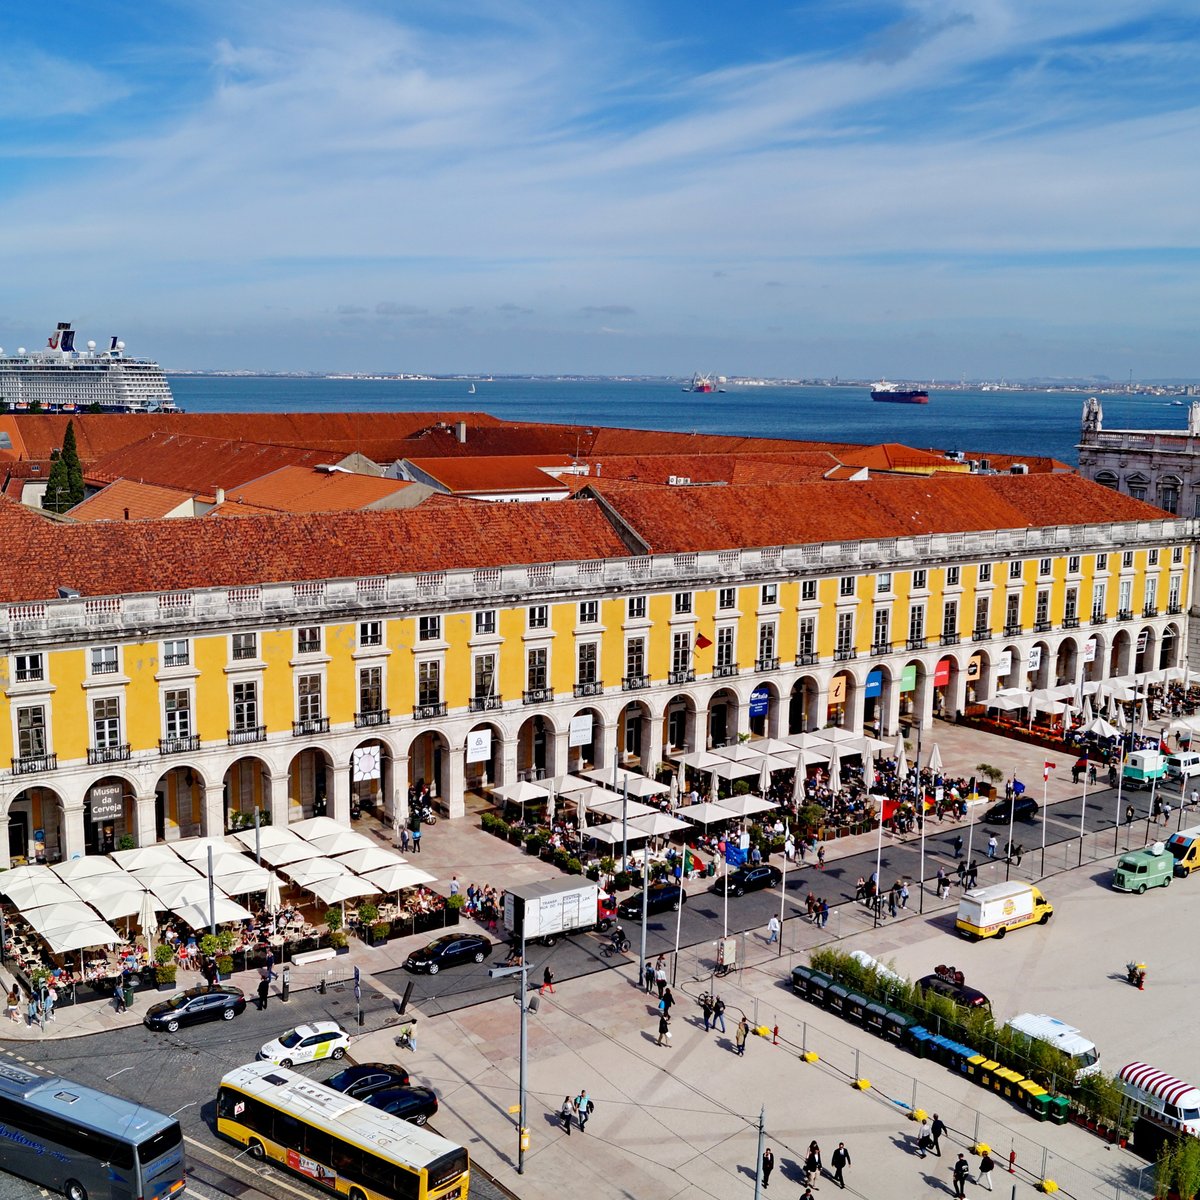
{"x": 58, "y": 488}
{"x": 70, "y": 455}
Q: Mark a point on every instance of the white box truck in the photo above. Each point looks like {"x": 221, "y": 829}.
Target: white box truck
{"x": 1082, "y": 1052}
{"x": 547, "y": 910}
{"x": 993, "y": 911}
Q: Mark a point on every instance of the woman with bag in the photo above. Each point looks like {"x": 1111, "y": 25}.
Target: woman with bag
{"x": 987, "y": 1165}
{"x": 664, "y": 1030}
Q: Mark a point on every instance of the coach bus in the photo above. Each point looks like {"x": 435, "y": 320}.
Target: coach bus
{"x": 84, "y": 1143}
{"x": 333, "y": 1140}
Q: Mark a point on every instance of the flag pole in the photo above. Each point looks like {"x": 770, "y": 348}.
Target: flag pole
{"x": 787, "y": 825}
{"x": 1045, "y": 792}
{"x": 1083, "y": 806}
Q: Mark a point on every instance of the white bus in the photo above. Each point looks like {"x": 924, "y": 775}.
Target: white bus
{"x": 84, "y": 1143}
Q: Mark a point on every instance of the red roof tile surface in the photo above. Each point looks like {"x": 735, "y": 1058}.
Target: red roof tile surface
{"x": 302, "y": 489}
{"x": 128, "y": 500}
{"x": 495, "y": 473}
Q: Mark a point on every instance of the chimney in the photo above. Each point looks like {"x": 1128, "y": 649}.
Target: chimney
{"x": 460, "y": 432}
{"x": 220, "y": 496}
{"x": 127, "y": 514}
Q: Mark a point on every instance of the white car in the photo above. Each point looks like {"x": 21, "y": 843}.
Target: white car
{"x": 307, "y": 1043}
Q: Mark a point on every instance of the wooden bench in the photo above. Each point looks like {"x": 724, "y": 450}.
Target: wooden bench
{"x": 306, "y": 957}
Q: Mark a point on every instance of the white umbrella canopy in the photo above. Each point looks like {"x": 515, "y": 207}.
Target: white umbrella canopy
{"x": 739, "y": 752}
{"x": 815, "y": 748}
{"x": 835, "y": 768}
{"x": 337, "y": 889}
{"x": 147, "y": 917}
{"x": 273, "y": 900}
{"x": 36, "y": 892}
{"x": 59, "y": 916}
{"x": 304, "y": 873}
{"x": 935, "y": 759}
{"x": 901, "y": 760}
{"x": 195, "y": 850}
{"x": 612, "y": 833}
{"x": 706, "y": 813}
{"x": 341, "y": 842}
{"x": 736, "y": 770}
{"x": 565, "y": 784}
{"x": 81, "y": 936}
{"x": 698, "y": 760}
{"x": 242, "y": 879}
{"x": 398, "y": 876}
{"x": 369, "y": 858}
{"x": 268, "y": 835}
{"x": 770, "y": 745}
{"x": 32, "y": 873}
{"x": 657, "y": 824}
{"x": 89, "y": 866}
{"x": 801, "y": 775}
{"x": 284, "y": 853}
{"x": 112, "y": 897}
{"x": 610, "y": 777}
{"x": 314, "y": 827}
{"x": 164, "y": 873}
{"x": 174, "y": 895}
{"x": 640, "y": 786}
{"x": 743, "y": 806}
{"x": 1100, "y": 727}
{"x": 619, "y": 806}
{"x": 836, "y": 734}
{"x": 224, "y": 912}
{"x": 522, "y": 792}
{"x": 145, "y": 856}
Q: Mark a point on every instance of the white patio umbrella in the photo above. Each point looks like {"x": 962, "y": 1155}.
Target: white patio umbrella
{"x": 735, "y": 770}
{"x": 59, "y": 916}
{"x": 610, "y": 777}
{"x": 81, "y": 936}
{"x": 743, "y": 806}
{"x": 315, "y": 827}
{"x": 642, "y": 787}
{"x": 283, "y": 853}
{"x": 32, "y": 873}
{"x": 342, "y": 888}
{"x": 770, "y": 745}
{"x": 764, "y": 776}
{"x": 835, "y": 768}
{"x": 88, "y": 866}
{"x": 398, "y": 876}
{"x": 800, "y": 776}
{"x": 612, "y": 833}
{"x": 145, "y": 856}
{"x": 835, "y": 734}
{"x": 36, "y": 891}
{"x": 869, "y": 772}
{"x": 174, "y": 895}
{"x": 268, "y": 835}
{"x": 564, "y": 785}
{"x": 175, "y": 871}
{"x": 674, "y": 792}
{"x": 341, "y": 842}
{"x": 369, "y": 858}
{"x": 225, "y": 912}
{"x": 522, "y": 792}
{"x": 706, "y": 813}
{"x": 242, "y": 879}
{"x": 1100, "y": 727}
{"x": 935, "y": 760}
{"x": 698, "y": 760}
{"x": 618, "y": 807}
{"x": 195, "y": 850}
{"x": 148, "y": 919}
{"x": 901, "y": 760}
{"x": 657, "y": 824}
{"x": 273, "y": 900}
{"x": 118, "y": 903}
{"x": 304, "y": 873}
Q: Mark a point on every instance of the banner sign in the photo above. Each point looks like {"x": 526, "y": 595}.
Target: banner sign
{"x": 581, "y": 730}
{"x": 1035, "y": 658}
{"x": 366, "y": 763}
{"x": 106, "y": 802}
{"x": 874, "y": 684}
{"x": 1004, "y": 662}
{"x": 908, "y": 678}
{"x": 837, "y": 690}
{"x": 941, "y": 673}
{"x": 1089, "y": 650}
{"x": 760, "y": 702}
{"x": 974, "y": 667}
{"x": 479, "y": 745}
{"x": 1143, "y": 641}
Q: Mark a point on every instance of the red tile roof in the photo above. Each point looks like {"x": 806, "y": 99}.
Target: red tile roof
{"x": 302, "y": 489}
{"x": 128, "y": 500}
{"x": 494, "y": 473}
{"x": 114, "y": 558}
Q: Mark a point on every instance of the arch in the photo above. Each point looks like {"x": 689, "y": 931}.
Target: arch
{"x": 1108, "y": 479}
{"x": 35, "y": 808}
{"x": 913, "y": 685}
{"x": 947, "y": 686}
{"x": 180, "y": 793}
{"x": 484, "y": 773}
{"x": 309, "y": 783}
{"x": 116, "y": 795}
{"x": 372, "y": 777}
{"x": 878, "y": 686}
{"x": 428, "y": 763}
{"x": 246, "y": 786}
{"x": 1169, "y": 654}
{"x": 679, "y": 724}
{"x": 1095, "y": 657}
{"x": 1120, "y": 658}
{"x": 978, "y": 677}
{"x": 1146, "y": 649}
{"x": 633, "y": 733}
{"x": 1038, "y": 676}
{"x": 802, "y": 705}
{"x": 763, "y": 723}
{"x": 1066, "y": 662}
{"x": 844, "y": 692}
{"x": 724, "y": 709}
{"x": 1016, "y": 668}
{"x": 590, "y": 754}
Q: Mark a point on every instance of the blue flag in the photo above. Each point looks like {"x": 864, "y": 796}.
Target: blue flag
{"x": 1018, "y": 787}
{"x": 733, "y": 856}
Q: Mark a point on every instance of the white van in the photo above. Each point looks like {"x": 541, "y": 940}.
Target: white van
{"x": 1160, "y": 1097}
{"x": 1082, "y": 1052}
{"x": 1184, "y": 766}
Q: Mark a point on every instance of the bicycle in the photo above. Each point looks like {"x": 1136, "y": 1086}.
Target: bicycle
{"x": 615, "y": 947}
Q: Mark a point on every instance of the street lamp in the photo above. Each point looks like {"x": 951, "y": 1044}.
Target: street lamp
{"x": 527, "y": 1004}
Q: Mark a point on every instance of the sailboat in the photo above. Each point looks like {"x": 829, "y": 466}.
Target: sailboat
{"x": 471, "y": 390}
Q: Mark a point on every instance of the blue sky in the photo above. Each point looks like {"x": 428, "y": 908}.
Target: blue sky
{"x": 925, "y": 189}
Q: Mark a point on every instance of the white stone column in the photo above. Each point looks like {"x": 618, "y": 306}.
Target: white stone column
{"x": 558, "y": 757}
{"x": 652, "y": 744}
{"x": 891, "y": 708}
{"x": 456, "y": 781}
{"x": 277, "y": 800}
{"x": 212, "y": 810}
{"x": 145, "y": 827}
{"x": 73, "y": 836}
{"x": 339, "y": 798}
{"x": 855, "y": 707}
{"x": 955, "y": 694}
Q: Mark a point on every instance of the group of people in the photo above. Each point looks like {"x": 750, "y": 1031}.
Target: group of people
{"x": 38, "y": 1003}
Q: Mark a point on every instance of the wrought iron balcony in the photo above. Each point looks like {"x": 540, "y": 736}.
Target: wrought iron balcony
{"x": 806, "y": 658}
{"x": 1174, "y": 610}
{"x": 378, "y": 716}
{"x": 687, "y": 675}
{"x": 982, "y": 635}
{"x": 484, "y": 704}
{"x": 33, "y": 764}
{"x": 878, "y": 649}
{"x": 1041, "y": 627}
{"x": 1151, "y": 610}
{"x": 593, "y": 687}
{"x": 247, "y": 735}
{"x": 635, "y": 683}
{"x": 1070, "y": 622}
{"x": 542, "y": 695}
{"x": 844, "y": 654}
{"x": 185, "y": 744}
{"x": 428, "y": 712}
{"x": 917, "y": 643}
{"x": 1098, "y": 618}
{"x": 108, "y": 754}
{"x": 767, "y": 664}
{"x": 1012, "y": 629}
{"x": 1124, "y": 614}
{"x": 30, "y": 674}
{"x": 950, "y": 639}
{"x": 177, "y": 660}
{"x": 724, "y": 670}
{"x": 241, "y": 653}
{"x": 309, "y": 726}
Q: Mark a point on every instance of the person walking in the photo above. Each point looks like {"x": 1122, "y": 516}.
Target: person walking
{"x": 903, "y": 896}
{"x": 991, "y": 846}
{"x": 264, "y": 991}
{"x": 891, "y": 903}
{"x": 768, "y": 1165}
{"x": 664, "y": 1030}
{"x": 773, "y": 929}
{"x": 547, "y": 982}
{"x": 706, "y": 1007}
{"x": 961, "y": 1174}
{"x": 987, "y": 1164}
{"x": 403, "y": 839}
{"x": 660, "y": 975}
{"x": 667, "y": 1002}
{"x": 416, "y": 841}
{"x": 33, "y": 1010}
{"x": 49, "y": 1000}
{"x": 649, "y": 976}
{"x": 820, "y": 858}
{"x": 565, "y": 1114}
{"x": 743, "y": 1032}
{"x": 958, "y": 845}
{"x": 923, "y": 1139}
{"x": 14, "y": 1004}
{"x": 1129, "y": 814}
{"x": 973, "y": 874}
{"x": 839, "y": 1160}
{"x": 719, "y": 1013}
{"x": 583, "y": 1107}
{"x": 936, "y": 1130}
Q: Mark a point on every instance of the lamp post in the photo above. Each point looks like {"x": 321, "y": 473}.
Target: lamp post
{"x": 527, "y": 1004}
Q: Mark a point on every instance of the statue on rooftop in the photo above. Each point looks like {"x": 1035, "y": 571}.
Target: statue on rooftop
{"x": 1093, "y": 416}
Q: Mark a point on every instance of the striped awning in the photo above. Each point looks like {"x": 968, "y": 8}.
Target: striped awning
{"x": 1157, "y": 1083}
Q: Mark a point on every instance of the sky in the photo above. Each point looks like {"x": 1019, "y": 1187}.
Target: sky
{"x": 920, "y": 190}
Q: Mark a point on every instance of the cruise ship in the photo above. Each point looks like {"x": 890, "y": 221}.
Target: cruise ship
{"x": 62, "y": 379}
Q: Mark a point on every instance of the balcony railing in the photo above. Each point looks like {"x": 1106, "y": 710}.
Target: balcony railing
{"x": 33, "y": 764}
{"x": 30, "y": 675}
{"x": 309, "y": 726}
{"x": 542, "y": 695}
{"x": 806, "y": 658}
{"x": 917, "y": 643}
{"x": 108, "y": 754}
{"x": 1124, "y": 614}
{"x": 484, "y": 704}
{"x": 247, "y": 735}
{"x": 1041, "y": 627}
{"x": 593, "y": 687}
{"x": 378, "y": 716}
{"x": 844, "y": 654}
{"x": 687, "y": 675}
{"x": 1098, "y": 618}
{"x": 428, "y": 712}
{"x": 1174, "y": 610}
{"x": 635, "y": 683}
{"x": 982, "y": 635}
{"x": 1151, "y": 610}
{"x": 880, "y": 648}
{"x": 186, "y": 744}
{"x": 767, "y": 664}
{"x": 950, "y": 639}
{"x": 724, "y": 670}
{"x": 241, "y": 653}
{"x": 177, "y": 660}
{"x": 1012, "y": 629}
{"x": 1071, "y": 622}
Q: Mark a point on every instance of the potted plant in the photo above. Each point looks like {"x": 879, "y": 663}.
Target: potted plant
{"x": 126, "y": 842}
{"x": 224, "y": 966}
{"x": 380, "y": 932}
{"x": 333, "y": 920}
{"x": 339, "y": 941}
{"x": 368, "y": 915}
{"x": 575, "y": 867}
{"x": 209, "y": 945}
{"x": 164, "y": 973}
{"x": 533, "y": 843}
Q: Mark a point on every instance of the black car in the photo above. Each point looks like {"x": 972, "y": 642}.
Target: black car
{"x": 366, "y": 1079}
{"x": 963, "y": 996}
{"x": 660, "y": 897}
{"x": 1001, "y": 814}
{"x": 748, "y": 879}
{"x": 449, "y": 951}
{"x": 195, "y": 1005}
{"x": 413, "y": 1104}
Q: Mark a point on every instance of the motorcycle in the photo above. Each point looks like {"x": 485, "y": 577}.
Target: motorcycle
{"x": 1135, "y": 974}
{"x": 426, "y": 815}
{"x": 617, "y": 943}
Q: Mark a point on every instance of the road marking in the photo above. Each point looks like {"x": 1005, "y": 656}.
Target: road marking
{"x": 233, "y": 1162}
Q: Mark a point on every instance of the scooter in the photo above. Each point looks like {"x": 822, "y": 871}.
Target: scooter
{"x": 426, "y": 815}
{"x": 1135, "y": 974}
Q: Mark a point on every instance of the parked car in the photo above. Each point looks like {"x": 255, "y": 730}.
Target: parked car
{"x": 414, "y": 1104}
{"x": 307, "y": 1043}
{"x": 365, "y": 1079}
{"x": 999, "y": 814}
{"x": 963, "y": 996}
{"x": 194, "y": 1006}
{"x": 448, "y": 951}
{"x": 660, "y": 897}
{"x": 748, "y": 879}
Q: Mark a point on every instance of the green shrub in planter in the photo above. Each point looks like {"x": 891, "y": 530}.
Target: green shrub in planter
{"x": 225, "y": 941}
{"x": 225, "y": 965}
{"x": 368, "y": 914}
{"x": 608, "y": 864}
{"x": 164, "y": 974}
{"x": 561, "y": 855}
{"x": 380, "y": 931}
{"x": 533, "y": 843}
{"x": 209, "y": 945}
{"x": 574, "y": 866}
{"x": 593, "y": 873}
{"x": 457, "y": 901}
{"x": 338, "y": 939}
{"x": 333, "y": 919}
{"x": 621, "y": 881}
{"x": 163, "y": 954}
{"x": 126, "y": 842}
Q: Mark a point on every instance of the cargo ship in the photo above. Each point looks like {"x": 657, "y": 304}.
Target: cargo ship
{"x": 700, "y": 383}
{"x": 893, "y": 393}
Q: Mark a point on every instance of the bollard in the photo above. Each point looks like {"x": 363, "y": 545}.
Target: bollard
{"x": 285, "y": 985}
{"x": 361, "y": 1019}
{"x": 775, "y": 1037}
{"x": 408, "y": 991}
{"x": 1012, "y": 1161}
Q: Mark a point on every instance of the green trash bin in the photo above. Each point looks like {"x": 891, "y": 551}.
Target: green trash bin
{"x": 1033, "y": 1098}
{"x": 1058, "y": 1109}
{"x": 712, "y": 868}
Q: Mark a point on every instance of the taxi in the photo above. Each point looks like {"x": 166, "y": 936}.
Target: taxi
{"x": 307, "y": 1043}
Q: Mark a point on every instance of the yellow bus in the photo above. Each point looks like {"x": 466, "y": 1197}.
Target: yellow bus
{"x": 344, "y": 1146}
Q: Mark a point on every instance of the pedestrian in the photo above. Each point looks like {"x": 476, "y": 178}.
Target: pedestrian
{"x": 416, "y": 841}
{"x": 958, "y": 845}
{"x": 839, "y": 1160}
{"x": 649, "y": 976}
{"x": 991, "y": 846}
{"x": 547, "y": 982}
{"x": 454, "y": 887}
{"x": 773, "y": 929}
{"x": 891, "y": 902}
{"x": 961, "y": 1173}
{"x": 719, "y": 1013}
{"x": 936, "y": 1130}
{"x": 49, "y": 1001}
{"x": 33, "y": 1010}
{"x": 743, "y": 1032}
{"x": 825, "y": 914}
{"x": 923, "y": 1139}
{"x": 14, "y": 1004}
{"x": 264, "y": 990}
{"x": 1092, "y": 773}
{"x": 119, "y": 997}
{"x": 768, "y": 1165}
{"x": 660, "y": 977}
{"x": 807, "y": 1194}
{"x": 664, "y": 1029}
{"x": 1075, "y": 772}
{"x": 812, "y": 1162}
{"x": 987, "y": 1165}
{"x": 667, "y": 1002}
{"x": 565, "y": 1114}
{"x": 1129, "y": 814}
{"x": 584, "y": 1107}
{"x": 271, "y": 964}
{"x": 904, "y": 895}
{"x": 1166, "y": 812}
{"x": 821, "y": 858}
{"x": 404, "y": 839}
{"x": 706, "y": 1007}
{"x": 972, "y": 875}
